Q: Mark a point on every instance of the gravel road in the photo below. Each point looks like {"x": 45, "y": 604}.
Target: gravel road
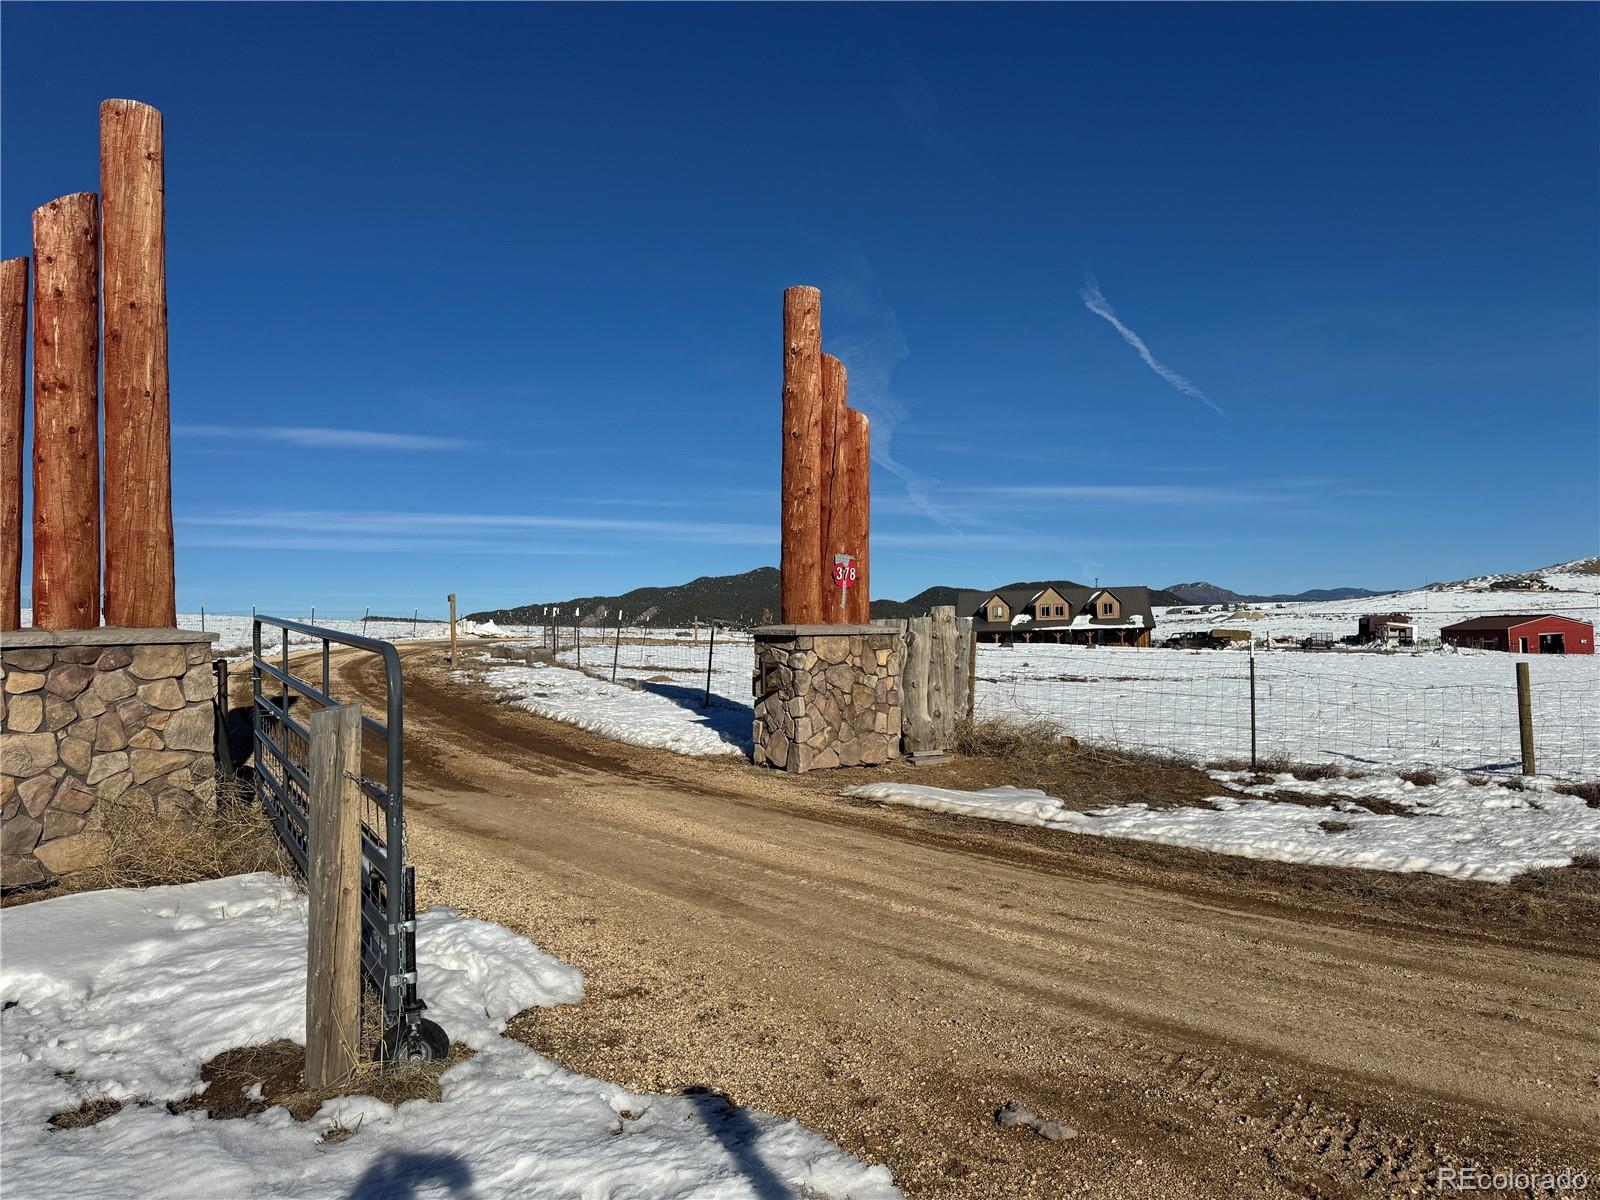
{"x": 891, "y": 977}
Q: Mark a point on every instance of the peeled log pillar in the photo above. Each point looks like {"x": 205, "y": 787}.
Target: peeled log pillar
{"x": 855, "y": 448}
{"x": 13, "y": 388}
{"x": 835, "y": 388}
{"x": 140, "y": 587}
{"x": 850, "y": 512}
{"x": 802, "y": 482}
{"x": 66, "y": 417}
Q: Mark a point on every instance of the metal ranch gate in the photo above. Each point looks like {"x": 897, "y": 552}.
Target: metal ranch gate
{"x": 283, "y": 785}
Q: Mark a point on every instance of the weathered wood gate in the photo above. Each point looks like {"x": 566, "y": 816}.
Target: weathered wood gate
{"x": 936, "y": 678}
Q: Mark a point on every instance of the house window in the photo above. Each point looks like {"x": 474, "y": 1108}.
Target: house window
{"x": 1107, "y": 608}
{"x": 997, "y": 613}
{"x": 1060, "y": 611}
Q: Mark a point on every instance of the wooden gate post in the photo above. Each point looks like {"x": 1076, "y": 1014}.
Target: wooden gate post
{"x": 140, "y": 587}
{"x": 66, "y": 413}
{"x": 333, "y": 944}
{"x": 801, "y": 489}
{"x": 452, "y": 629}
{"x": 13, "y": 390}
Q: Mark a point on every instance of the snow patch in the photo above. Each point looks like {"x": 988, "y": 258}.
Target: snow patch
{"x": 1451, "y": 828}
{"x": 126, "y": 993}
{"x": 668, "y": 716}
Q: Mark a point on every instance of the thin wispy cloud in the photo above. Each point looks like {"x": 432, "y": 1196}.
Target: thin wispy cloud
{"x": 320, "y": 438}
{"x": 1094, "y": 300}
{"x": 871, "y": 350}
{"x": 416, "y": 526}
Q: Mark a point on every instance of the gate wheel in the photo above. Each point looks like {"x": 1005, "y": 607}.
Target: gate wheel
{"x": 425, "y": 1042}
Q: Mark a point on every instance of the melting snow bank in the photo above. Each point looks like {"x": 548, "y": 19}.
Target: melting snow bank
{"x": 1450, "y": 828}
{"x": 126, "y": 993}
{"x": 668, "y": 716}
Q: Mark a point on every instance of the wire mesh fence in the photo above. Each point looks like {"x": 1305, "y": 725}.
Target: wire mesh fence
{"x": 1433, "y": 710}
{"x": 706, "y": 663}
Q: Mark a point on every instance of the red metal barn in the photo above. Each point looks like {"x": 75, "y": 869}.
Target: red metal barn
{"x": 1522, "y": 635}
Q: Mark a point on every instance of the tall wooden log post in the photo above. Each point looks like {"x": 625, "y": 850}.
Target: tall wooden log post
{"x": 855, "y": 447}
{"x": 66, "y": 416}
{"x": 835, "y": 392}
{"x": 140, "y": 588}
{"x": 13, "y": 388}
{"x": 801, "y": 489}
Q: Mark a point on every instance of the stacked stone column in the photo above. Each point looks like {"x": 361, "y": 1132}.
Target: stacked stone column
{"x": 826, "y": 696}
{"x": 93, "y": 718}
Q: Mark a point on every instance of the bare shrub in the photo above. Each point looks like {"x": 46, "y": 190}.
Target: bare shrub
{"x": 1420, "y": 778}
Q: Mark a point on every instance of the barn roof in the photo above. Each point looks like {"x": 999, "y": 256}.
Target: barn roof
{"x": 1484, "y": 624}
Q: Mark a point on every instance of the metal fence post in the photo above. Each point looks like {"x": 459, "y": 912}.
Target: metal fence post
{"x": 711, "y": 653}
{"x": 1252, "y": 708}
{"x": 202, "y": 618}
{"x": 1525, "y": 716}
{"x": 577, "y": 638}
{"x": 616, "y": 649}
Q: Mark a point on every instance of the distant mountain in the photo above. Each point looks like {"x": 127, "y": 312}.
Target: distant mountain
{"x": 1210, "y": 593}
{"x": 739, "y": 600}
{"x": 730, "y": 599}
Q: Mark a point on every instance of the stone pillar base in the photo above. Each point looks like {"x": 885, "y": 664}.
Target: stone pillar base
{"x": 91, "y": 718}
{"x": 826, "y": 696}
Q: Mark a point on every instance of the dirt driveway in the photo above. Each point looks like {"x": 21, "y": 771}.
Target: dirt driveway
{"x": 890, "y": 977}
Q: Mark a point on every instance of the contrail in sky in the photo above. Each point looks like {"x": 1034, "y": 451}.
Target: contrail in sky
{"x": 1096, "y": 303}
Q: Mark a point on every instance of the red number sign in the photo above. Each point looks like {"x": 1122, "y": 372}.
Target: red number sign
{"x": 844, "y": 570}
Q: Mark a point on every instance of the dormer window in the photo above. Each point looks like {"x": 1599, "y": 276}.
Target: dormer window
{"x": 1107, "y": 608}
{"x": 997, "y": 613}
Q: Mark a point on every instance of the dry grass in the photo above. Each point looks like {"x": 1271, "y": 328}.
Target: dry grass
{"x": 278, "y": 1068}
{"x": 1588, "y": 792}
{"x": 1420, "y": 778}
{"x": 146, "y": 850}
{"x": 1036, "y": 754}
{"x": 91, "y": 1112}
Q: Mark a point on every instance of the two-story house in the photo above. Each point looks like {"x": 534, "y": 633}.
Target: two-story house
{"x": 1061, "y": 612}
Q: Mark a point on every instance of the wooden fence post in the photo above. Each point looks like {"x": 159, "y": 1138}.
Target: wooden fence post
{"x": 13, "y": 390}
{"x": 1525, "y": 716}
{"x": 139, "y": 583}
{"x": 942, "y": 676}
{"x": 333, "y": 943}
{"x": 966, "y": 667}
{"x": 917, "y": 720}
{"x": 452, "y": 628}
{"x": 802, "y": 468}
{"x": 66, "y": 413}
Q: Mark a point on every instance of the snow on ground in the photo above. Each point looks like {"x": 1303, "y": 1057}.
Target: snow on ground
{"x": 1450, "y": 828}
{"x": 1441, "y": 708}
{"x": 666, "y": 714}
{"x": 235, "y": 629}
{"x": 1575, "y": 595}
{"x": 126, "y": 993}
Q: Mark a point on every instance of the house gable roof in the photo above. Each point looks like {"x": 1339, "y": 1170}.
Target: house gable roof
{"x": 1135, "y": 602}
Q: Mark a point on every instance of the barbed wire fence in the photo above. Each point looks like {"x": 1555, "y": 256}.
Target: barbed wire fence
{"x": 1293, "y": 712}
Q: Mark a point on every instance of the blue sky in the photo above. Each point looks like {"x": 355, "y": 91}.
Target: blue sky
{"x": 487, "y": 299}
